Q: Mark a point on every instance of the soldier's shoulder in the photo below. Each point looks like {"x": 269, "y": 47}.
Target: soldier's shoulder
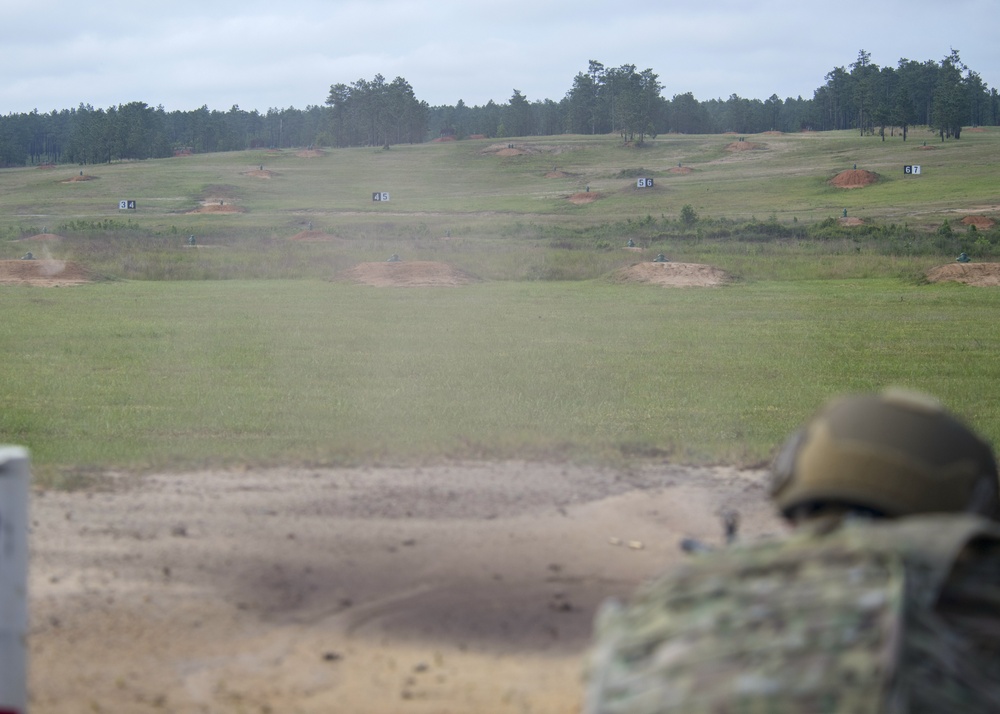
{"x": 791, "y": 622}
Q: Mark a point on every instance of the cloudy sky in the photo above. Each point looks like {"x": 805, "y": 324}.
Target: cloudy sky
{"x": 182, "y": 54}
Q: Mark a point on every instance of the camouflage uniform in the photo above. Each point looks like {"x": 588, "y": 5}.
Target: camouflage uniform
{"x": 844, "y": 615}
{"x": 887, "y": 616}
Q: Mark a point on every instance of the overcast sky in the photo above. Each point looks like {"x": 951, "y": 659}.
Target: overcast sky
{"x": 182, "y": 54}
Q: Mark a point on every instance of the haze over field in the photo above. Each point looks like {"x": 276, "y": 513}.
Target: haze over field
{"x": 258, "y": 55}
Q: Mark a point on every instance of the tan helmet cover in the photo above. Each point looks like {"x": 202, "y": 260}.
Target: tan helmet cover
{"x": 898, "y": 453}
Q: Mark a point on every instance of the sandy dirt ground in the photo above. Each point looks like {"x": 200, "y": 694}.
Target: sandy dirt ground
{"x": 454, "y": 588}
{"x": 977, "y": 274}
{"x": 408, "y": 273}
{"x": 672, "y": 274}
{"x": 43, "y": 271}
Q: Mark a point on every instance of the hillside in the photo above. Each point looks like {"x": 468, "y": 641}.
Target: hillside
{"x": 567, "y": 192}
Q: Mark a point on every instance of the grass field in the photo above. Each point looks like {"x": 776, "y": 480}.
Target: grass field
{"x": 244, "y": 351}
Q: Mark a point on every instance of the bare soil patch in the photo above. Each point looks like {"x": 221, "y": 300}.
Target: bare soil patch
{"x": 314, "y": 237}
{"x": 43, "y": 273}
{"x": 408, "y": 274}
{"x": 309, "y": 153}
{"x": 851, "y": 221}
{"x": 673, "y": 274}
{"x": 217, "y": 207}
{"x": 512, "y": 149}
{"x": 977, "y": 274}
{"x": 43, "y": 237}
{"x": 680, "y": 170}
{"x": 466, "y": 587}
{"x": 584, "y": 197}
{"x": 78, "y": 178}
{"x": 745, "y": 146}
{"x": 980, "y": 222}
{"x": 259, "y": 173}
{"x": 854, "y": 178}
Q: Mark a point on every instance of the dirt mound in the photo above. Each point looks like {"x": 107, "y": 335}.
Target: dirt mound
{"x": 680, "y": 170}
{"x": 925, "y": 147}
{"x": 854, "y": 178}
{"x": 673, "y": 274}
{"x": 42, "y": 237}
{"x": 308, "y": 153}
{"x": 42, "y": 273}
{"x": 584, "y": 197}
{"x": 978, "y": 274}
{"x": 77, "y": 179}
{"x": 980, "y": 222}
{"x": 313, "y": 237}
{"x": 744, "y": 146}
{"x": 216, "y": 207}
{"x": 851, "y": 221}
{"x": 512, "y": 149}
{"x": 407, "y": 274}
{"x": 259, "y": 173}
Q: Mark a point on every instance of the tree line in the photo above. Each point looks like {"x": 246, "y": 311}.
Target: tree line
{"x": 86, "y": 135}
{"x": 943, "y": 95}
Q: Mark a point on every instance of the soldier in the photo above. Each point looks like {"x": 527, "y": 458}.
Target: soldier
{"x": 884, "y": 598}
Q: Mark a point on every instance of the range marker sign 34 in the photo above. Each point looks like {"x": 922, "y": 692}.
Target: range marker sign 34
{"x": 126, "y": 204}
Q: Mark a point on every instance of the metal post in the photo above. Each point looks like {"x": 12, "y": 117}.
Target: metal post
{"x": 14, "y": 478}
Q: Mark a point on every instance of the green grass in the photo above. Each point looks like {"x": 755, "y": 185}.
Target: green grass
{"x": 174, "y": 375}
{"x": 456, "y": 186}
{"x": 244, "y": 351}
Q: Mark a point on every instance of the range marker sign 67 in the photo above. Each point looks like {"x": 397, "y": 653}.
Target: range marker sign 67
{"x": 913, "y": 170}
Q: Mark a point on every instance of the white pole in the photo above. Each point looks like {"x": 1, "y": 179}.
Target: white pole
{"x": 14, "y": 477}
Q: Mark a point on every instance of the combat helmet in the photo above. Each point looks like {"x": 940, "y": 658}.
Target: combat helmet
{"x": 893, "y": 454}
